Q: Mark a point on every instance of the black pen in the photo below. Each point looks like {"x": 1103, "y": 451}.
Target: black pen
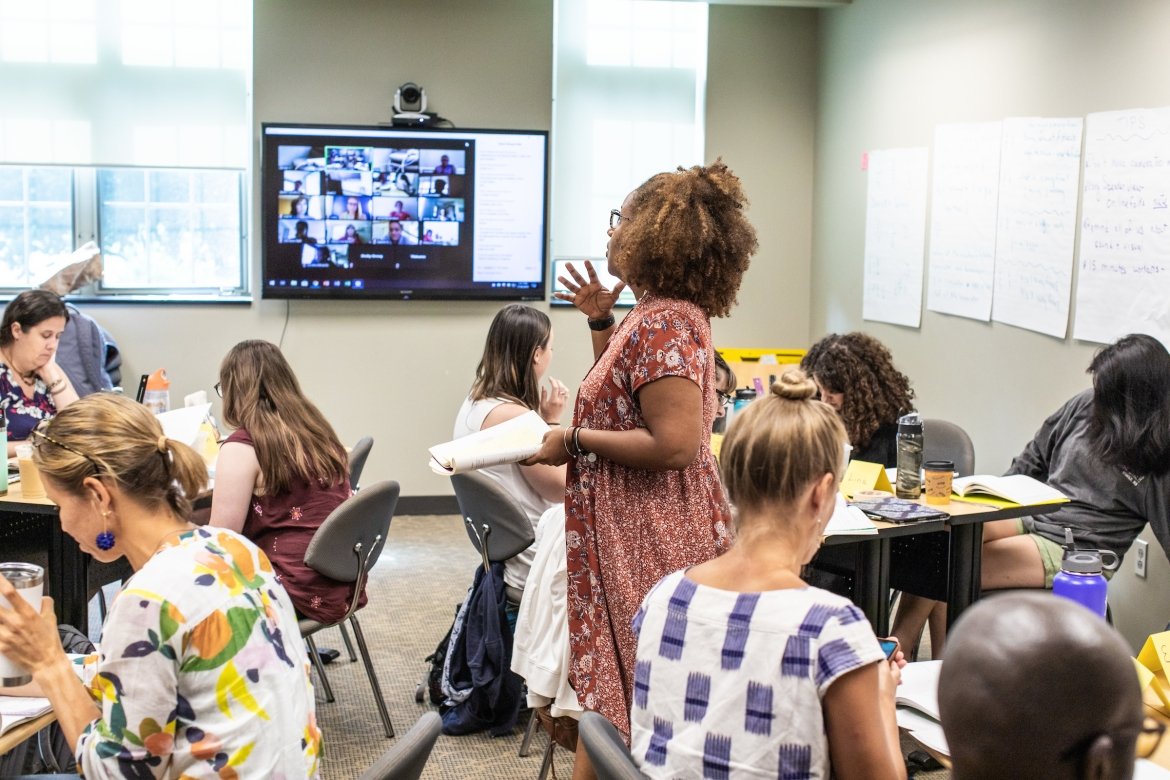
{"x": 141, "y": 389}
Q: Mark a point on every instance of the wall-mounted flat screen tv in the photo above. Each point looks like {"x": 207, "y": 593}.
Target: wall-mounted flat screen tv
{"x": 380, "y": 212}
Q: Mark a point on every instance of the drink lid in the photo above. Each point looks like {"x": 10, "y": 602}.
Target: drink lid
{"x": 939, "y": 465}
{"x": 158, "y": 380}
{"x": 745, "y": 392}
{"x": 1083, "y": 562}
{"x": 910, "y": 423}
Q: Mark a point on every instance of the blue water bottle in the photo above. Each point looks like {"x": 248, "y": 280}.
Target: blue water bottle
{"x": 1080, "y": 579}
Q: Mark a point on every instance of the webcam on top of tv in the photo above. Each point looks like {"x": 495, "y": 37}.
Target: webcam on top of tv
{"x": 410, "y": 106}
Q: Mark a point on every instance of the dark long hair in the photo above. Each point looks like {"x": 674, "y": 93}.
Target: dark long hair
{"x": 30, "y": 308}
{"x": 860, "y": 368}
{"x": 1130, "y": 424}
{"x": 506, "y": 370}
{"x": 293, "y": 439}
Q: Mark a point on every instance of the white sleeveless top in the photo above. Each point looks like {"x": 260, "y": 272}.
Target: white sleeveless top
{"x": 469, "y": 421}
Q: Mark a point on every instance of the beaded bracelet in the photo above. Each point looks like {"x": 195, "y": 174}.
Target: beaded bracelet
{"x": 589, "y": 456}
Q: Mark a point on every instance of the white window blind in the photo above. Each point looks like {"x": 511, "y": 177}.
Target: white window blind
{"x": 125, "y": 82}
{"x": 126, "y": 122}
{"x": 629, "y": 87}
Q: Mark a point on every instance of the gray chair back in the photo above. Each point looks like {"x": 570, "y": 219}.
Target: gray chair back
{"x": 362, "y": 519}
{"x": 942, "y": 440}
{"x": 405, "y": 761}
{"x": 606, "y": 749}
{"x": 357, "y": 459}
{"x": 484, "y": 502}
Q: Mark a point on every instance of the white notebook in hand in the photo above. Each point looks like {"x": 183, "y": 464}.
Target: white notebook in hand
{"x": 508, "y": 442}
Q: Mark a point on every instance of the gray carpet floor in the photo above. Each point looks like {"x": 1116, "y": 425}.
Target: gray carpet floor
{"x": 423, "y": 573}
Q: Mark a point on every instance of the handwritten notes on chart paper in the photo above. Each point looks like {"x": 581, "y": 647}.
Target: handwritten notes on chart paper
{"x": 1124, "y": 275}
{"x": 964, "y": 197}
{"x": 895, "y": 236}
{"x": 1038, "y": 189}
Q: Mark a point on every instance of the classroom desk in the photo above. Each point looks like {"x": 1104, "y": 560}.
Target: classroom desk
{"x": 871, "y": 585}
{"x": 13, "y": 737}
{"x": 33, "y": 525}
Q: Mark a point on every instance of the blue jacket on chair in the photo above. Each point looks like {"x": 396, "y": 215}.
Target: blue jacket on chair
{"x": 479, "y": 662}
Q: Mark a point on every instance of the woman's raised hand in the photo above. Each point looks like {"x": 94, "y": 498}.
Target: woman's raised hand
{"x": 553, "y": 398}
{"x": 589, "y": 295}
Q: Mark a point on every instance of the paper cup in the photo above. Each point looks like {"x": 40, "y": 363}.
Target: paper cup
{"x": 28, "y": 579}
{"x": 937, "y": 476}
{"x": 31, "y": 485}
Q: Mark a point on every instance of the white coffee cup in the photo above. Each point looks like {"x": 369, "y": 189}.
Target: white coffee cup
{"x": 29, "y": 580}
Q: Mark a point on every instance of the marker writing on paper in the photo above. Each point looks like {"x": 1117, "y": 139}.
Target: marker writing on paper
{"x": 759, "y": 386}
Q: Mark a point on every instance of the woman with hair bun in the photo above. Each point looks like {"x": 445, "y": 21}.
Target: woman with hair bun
{"x": 643, "y": 496}
{"x": 201, "y": 668}
{"x": 742, "y": 667}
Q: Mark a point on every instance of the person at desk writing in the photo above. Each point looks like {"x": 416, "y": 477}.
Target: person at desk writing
{"x": 201, "y": 667}
{"x": 1108, "y": 450}
{"x": 742, "y": 667}
{"x": 280, "y": 473}
{"x": 643, "y": 496}
{"x": 33, "y": 387}
{"x": 855, "y": 375}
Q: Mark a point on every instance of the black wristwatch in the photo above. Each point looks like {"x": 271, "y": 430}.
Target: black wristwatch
{"x": 602, "y": 324}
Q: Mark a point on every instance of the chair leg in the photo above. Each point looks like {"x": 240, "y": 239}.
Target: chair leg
{"x": 320, "y": 667}
{"x": 546, "y": 764}
{"x": 374, "y": 686}
{"x": 348, "y": 644}
{"x": 528, "y": 732}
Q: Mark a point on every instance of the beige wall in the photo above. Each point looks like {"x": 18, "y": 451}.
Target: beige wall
{"x": 891, "y": 70}
{"x": 399, "y": 370}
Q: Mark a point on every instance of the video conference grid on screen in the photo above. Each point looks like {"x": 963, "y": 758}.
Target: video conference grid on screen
{"x": 396, "y": 213}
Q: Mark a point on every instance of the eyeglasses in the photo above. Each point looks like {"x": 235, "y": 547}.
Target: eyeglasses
{"x": 1149, "y": 736}
{"x": 218, "y": 389}
{"x": 42, "y": 437}
{"x": 615, "y": 218}
{"x": 725, "y": 399}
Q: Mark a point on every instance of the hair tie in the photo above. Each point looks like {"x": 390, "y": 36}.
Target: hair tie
{"x": 162, "y": 443}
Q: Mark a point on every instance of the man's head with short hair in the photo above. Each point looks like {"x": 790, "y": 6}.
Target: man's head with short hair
{"x": 1037, "y": 686}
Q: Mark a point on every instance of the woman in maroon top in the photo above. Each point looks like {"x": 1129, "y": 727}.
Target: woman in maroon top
{"x": 644, "y": 497}
{"x": 280, "y": 474}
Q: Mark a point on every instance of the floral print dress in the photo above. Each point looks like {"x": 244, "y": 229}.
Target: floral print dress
{"x": 23, "y": 413}
{"x": 200, "y": 671}
{"x": 627, "y": 528}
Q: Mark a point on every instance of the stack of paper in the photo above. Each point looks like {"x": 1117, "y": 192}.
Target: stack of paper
{"x": 917, "y": 700}
{"x": 508, "y": 442}
{"x": 848, "y": 521}
{"x": 15, "y": 710}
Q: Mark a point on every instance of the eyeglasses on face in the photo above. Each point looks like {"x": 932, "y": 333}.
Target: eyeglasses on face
{"x": 218, "y": 389}
{"x": 39, "y": 437}
{"x": 615, "y": 218}
{"x": 725, "y": 399}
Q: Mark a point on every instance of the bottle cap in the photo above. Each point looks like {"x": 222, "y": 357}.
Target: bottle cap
{"x": 939, "y": 465}
{"x": 910, "y": 423}
{"x": 745, "y": 392}
{"x": 158, "y": 380}
{"x": 1082, "y": 562}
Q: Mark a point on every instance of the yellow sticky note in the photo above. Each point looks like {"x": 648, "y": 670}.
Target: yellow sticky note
{"x": 1155, "y": 657}
{"x": 861, "y": 475}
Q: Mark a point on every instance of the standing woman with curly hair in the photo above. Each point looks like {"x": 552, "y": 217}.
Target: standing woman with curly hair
{"x": 855, "y": 374}
{"x": 643, "y": 495}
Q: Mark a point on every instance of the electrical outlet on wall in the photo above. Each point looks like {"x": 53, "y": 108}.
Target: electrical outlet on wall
{"x": 1141, "y": 552}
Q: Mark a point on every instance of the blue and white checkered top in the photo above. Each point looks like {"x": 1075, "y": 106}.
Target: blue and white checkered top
{"x": 729, "y": 685}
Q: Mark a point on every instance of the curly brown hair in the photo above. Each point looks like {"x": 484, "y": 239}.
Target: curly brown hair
{"x": 685, "y": 236}
{"x": 860, "y": 368}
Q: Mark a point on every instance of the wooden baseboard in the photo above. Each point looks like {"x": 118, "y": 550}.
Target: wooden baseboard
{"x": 427, "y": 505}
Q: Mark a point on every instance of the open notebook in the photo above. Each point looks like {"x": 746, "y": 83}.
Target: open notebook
{"x": 15, "y": 710}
